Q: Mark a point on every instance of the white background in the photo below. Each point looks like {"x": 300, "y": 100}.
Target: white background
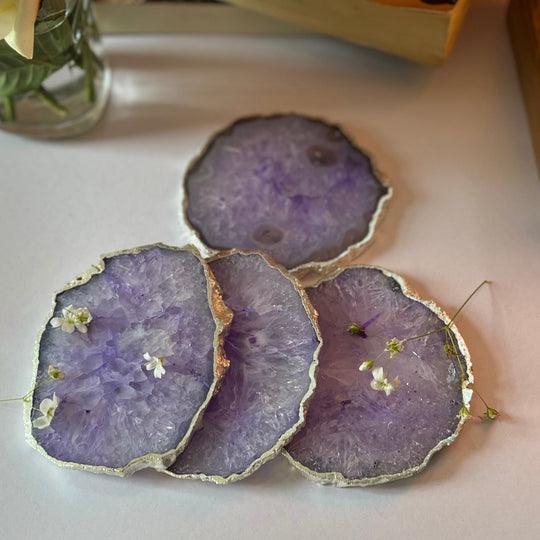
{"x": 454, "y": 143}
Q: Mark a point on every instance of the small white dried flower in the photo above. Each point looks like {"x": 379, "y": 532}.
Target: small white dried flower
{"x": 55, "y": 373}
{"x": 394, "y": 346}
{"x": 155, "y": 363}
{"x": 366, "y": 365}
{"x": 381, "y": 383}
{"x": 73, "y": 318}
{"x": 47, "y": 408}
{"x": 467, "y": 394}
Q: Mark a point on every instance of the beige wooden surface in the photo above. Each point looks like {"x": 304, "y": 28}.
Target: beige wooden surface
{"x": 409, "y": 28}
{"x": 168, "y": 17}
{"x": 417, "y": 31}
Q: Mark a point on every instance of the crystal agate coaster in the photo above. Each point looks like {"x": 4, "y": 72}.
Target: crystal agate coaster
{"x": 358, "y": 435}
{"x": 272, "y": 345}
{"x": 294, "y": 187}
{"x": 128, "y": 361}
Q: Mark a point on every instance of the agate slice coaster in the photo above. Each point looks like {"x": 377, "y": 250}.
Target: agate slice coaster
{"x": 293, "y": 187}
{"x": 128, "y": 361}
{"x": 356, "y": 435}
{"x": 273, "y": 346}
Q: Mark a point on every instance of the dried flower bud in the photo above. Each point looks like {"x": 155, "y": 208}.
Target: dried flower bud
{"x": 55, "y": 373}
{"x": 367, "y": 365}
{"x": 491, "y": 413}
{"x": 449, "y": 349}
{"x": 394, "y": 346}
{"x": 356, "y": 330}
{"x": 464, "y": 412}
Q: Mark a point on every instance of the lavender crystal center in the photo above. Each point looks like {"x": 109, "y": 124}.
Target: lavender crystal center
{"x": 351, "y": 428}
{"x": 294, "y": 187}
{"x": 114, "y": 408}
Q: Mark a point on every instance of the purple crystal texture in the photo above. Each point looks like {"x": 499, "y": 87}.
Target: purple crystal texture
{"x": 352, "y": 429}
{"x": 112, "y": 410}
{"x": 293, "y": 187}
{"x": 271, "y": 346}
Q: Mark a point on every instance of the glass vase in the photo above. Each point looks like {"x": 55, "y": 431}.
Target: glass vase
{"x": 63, "y": 90}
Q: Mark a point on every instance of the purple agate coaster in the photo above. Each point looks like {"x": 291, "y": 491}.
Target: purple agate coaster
{"x": 355, "y": 435}
{"x": 132, "y": 381}
{"x": 273, "y": 345}
{"x": 294, "y": 187}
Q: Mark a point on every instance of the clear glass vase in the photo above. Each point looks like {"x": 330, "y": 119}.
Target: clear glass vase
{"x": 63, "y": 90}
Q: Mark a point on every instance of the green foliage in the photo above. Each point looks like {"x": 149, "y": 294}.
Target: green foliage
{"x": 51, "y": 13}
{"x": 19, "y": 79}
{"x": 52, "y": 50}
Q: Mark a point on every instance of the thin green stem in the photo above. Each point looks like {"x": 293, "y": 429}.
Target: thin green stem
{"x": 26, "y": 396}
{"x": 445, "y": 328}
{"x": 424, "y": 335}
{"x": 486, "y": 281}
{"x": 97, "y": 60}
{"x": 12, "y": 399}
{"x": 9, "y": 109}
{"x": 23, "y": 398}
{"x": 488, "y": 408}
{"x": 481, "y": 398}
{"x": 51, "y": 101}
{"x": 451, "y": 321}
{"x": 458, "y": 356}
{"x": 88, "y": 65}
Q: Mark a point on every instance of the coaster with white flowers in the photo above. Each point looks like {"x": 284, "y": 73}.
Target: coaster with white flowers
{"x": 392, "y": 385}
{"x": 128, "y": 361}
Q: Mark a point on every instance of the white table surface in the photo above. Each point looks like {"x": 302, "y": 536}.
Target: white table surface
{"x": 454, "y": 142}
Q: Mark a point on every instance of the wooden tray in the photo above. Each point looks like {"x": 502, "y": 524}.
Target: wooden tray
{"x": 414, "y": 29}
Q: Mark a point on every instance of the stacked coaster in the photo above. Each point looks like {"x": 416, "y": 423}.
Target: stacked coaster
{"x": 273, "y": 343}
{"x": 128, "y": 361}
{"x": 136, "y": 348}
{"x": 205, "y": 368}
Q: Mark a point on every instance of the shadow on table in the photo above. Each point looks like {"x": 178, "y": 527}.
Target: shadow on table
{"x": 175, "y": 90}
{"x": 328, "y": 53}
{"x": 139, "y": 120}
